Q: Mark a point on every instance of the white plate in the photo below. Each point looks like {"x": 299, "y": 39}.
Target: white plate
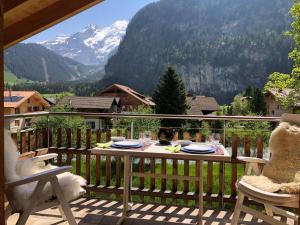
{"x": 127, "y": 143}
{"x": 203, "y": 148}
{"x": 117, "y": 138}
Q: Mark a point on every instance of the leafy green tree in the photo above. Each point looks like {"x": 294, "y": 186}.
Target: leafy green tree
{"x": 139, "y": 124}
{"x": 292, "y": 80}
{"x": 258, "y": 103}
{"x": 64, "y": 122}
{"x": 170, "y": 97}
{"x": 240, "y": 106}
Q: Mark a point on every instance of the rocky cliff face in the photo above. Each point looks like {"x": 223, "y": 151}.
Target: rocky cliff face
{"x": 218, "y": 47}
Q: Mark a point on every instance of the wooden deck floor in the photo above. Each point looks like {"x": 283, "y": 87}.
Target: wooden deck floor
{"x": 103, "y": 212}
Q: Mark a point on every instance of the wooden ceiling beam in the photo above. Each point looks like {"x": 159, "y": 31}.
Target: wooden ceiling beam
{"x": 10, "y": 4}
{"x": 43, "y": 19}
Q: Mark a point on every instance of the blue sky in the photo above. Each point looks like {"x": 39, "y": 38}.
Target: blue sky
{"x": 102, "y": 14}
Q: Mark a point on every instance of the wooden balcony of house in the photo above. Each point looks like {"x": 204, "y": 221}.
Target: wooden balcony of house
{"x": 156, "y": 199}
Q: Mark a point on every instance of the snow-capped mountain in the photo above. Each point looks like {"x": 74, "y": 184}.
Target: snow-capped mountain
{"x": 90, "y": 46}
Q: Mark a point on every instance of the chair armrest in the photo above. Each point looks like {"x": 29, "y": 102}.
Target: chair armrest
{"x": 252, "y": 160}
{"x": 45, "y": 175}
{"x": 41, "y": 158}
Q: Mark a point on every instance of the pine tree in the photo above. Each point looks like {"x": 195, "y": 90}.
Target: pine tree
{"x": 257, "y": 103}
{"x": 170, "y": 97}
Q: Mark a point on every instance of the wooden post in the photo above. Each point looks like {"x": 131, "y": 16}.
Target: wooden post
{"x": 1, "y": 121}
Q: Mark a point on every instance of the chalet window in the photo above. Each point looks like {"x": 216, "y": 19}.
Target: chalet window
{"x": 27, "y": 122}
{"x": 36, "y": 108}
{"x": 17, "y": 110}
{"x": 91, "y": 124}
{"x": 17, "y": 123}
{"x": 28, "y": 101}
{"x": 29, "y": 108}
{"x": 278, "y": 106}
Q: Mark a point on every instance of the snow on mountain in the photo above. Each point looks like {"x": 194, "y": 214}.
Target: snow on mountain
{"x": 90, "y": 46}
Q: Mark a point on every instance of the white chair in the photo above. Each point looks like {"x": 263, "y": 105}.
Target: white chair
{"x": 41, "y": 189}
{"x": 274, "y": 202}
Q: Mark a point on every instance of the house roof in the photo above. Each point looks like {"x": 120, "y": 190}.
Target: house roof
{"x": 13, "y": 99}
{"x": 282, "y": 93}
{"x": 202, "y": 103}
{"x": 24, "y": 18}
{"x": 77, "y": 102}
{"x": 144, "y": 99}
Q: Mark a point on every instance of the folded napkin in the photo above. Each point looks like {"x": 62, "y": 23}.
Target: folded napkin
{"x": 173, "y": 149}
{"x": 104, "y": 145}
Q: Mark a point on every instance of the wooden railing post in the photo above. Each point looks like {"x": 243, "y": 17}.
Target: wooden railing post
{"x": 37, "y": 138}
{"x": 247, "y": 146}
{"x": 152, "y": 180}
{"x": 69, "y": 145}
{"x": 98, "y": 159}
{"x": 142, "y": 179}
{"x": 59, "y": 144}
{"x": 78, "y": 155}
{"x": 23, "y": 142}
{"x": 186, "y": 182}
{"x": 45, "y": 137}
{"x": 88, "y": 156}
{"x": 163, "y": 181}
{"x": 234, "y": 147}
{"x": 260, "y": 147}
{"x": 174, "y": 181}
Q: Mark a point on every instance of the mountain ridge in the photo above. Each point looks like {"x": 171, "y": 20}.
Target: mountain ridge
{"x": 90, "y": 46}
{"x": 37, "y": 63}
{"x": 219, "y": 47}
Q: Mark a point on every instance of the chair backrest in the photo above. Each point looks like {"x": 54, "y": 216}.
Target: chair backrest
{"x": 285, "y": 148}
{"x": 293, "y": 119}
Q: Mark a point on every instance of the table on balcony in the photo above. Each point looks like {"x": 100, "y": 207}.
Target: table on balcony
{"x": 156, "y": 150}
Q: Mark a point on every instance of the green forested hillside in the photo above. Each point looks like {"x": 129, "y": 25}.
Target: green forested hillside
{"x": 219, "y": 47}
{"x": 37, "y": 63}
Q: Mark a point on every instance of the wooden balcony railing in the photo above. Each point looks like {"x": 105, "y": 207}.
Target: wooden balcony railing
{"x": 104, "y": 173}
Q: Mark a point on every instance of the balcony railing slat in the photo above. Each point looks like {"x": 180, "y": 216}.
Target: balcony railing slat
{"x": 163, "y": 184}
{"x": 221, "y": 184}
{"x": 45, "y": 137}
{"x": 186, "y": 183}
{"x": 23, "y": 142}
{"x": 234, "y": 148}
{"x": 142, "y": 179}
{"x": 247, "y": 146}
{"x": 260, "y": 147}
{"x": 107, "y": 170}
{"x": 98, "y": 170}
{"x": 175, "y": 172}
{"x": 69, "y": 145}
{"x": 209, "y": 179}
{"x": 37, "y": 138}
{"x": 30, "y": 140}
{"x": 78, "y": 139}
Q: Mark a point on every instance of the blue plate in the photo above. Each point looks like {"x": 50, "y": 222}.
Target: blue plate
{"x": 134, "y": 146}
{"x": 198, "y": 152}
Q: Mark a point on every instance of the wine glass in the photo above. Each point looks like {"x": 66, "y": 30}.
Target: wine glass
{"x": 216, "y": 139}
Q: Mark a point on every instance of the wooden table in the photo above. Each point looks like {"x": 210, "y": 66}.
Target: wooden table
{"x": 158, "y": 151}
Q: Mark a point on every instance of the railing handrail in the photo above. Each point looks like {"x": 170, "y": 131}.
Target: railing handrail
{"x": 150, "y": 116}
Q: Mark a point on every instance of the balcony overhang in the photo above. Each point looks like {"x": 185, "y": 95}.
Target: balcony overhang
{"x": 25, "y": 18}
